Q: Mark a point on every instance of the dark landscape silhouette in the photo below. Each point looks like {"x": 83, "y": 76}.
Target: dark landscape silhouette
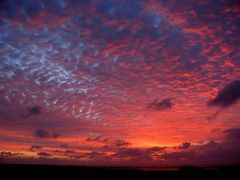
{"x": 81, "y": 172}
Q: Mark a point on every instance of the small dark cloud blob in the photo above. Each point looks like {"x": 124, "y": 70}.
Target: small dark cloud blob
{"x": 35, "y": 147}
{"x": 121, "y": 143}
{"x": 161, "y": 105}
{"x": 99, "y": 138}
{"x": 42, "y": 133}
{"x": 184, "y": 145}
{"x": 44, "y": 154}
{"x": 65, "y": 146}
{"x": 34, "y": 110}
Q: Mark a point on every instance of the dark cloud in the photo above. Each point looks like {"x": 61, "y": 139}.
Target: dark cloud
{"x": 226, "y": 152}
{"x": 99, "y": 138}
{"x": 57, "y": 151}
{"x": 44, "y": 154}
{"x": 211, "y": 153}
{"x": 93, "y": 155}
{"x": 77, "y": 156}
{"x": 211, "y": 145}
{"x": 35, "y": 147}
{"x": 227, "y": 96}
{"x": 155, "y": 149}
{"x": 42, "y": 133}
{"x": 233, "y": 134}
{"x": 34, "y": 110}
{"x": 7, "y": 154}
{"x": 65, "y": 146}
{"x": 116, "y": 144}
{"x": 69, "y": 152}
{"x": 138, "y": 154}
{"x": 184, "y": 145}
{"x": 55, "y": 134}
{"x": 96, "y": 155}
{"x": 179, "y": 155}
{"x": 133, "y": 153}
{"x": 4, "y": 154}
{"x": 161, "y": 105}
{"x": 121, "y": 143}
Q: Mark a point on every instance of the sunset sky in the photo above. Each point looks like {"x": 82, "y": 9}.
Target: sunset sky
{"x": 120, "y": 82}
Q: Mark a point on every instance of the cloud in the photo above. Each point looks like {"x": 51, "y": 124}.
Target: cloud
{"x": 69, "y": 151}
{"x": 161, "y": 105}
{"x": 86, "y": 66}
{"x": 224, "y": 152}
{"x": 65, "y": 146}
{"x": 95, "y": 155}
{"x": 184, "y": 145}
{"x": 35, "y": 147}
{"x": 227, "y": 96}
{"x": 7, "y": 154}
{"x": 133, "y": 153}
{"x": 42, "y": 133}
{"x": 34, "y": 110}
{"x": 44, "y": 154}
{"x": 233, "y": 134}
{"x": 99, "y": 138}
{"x": 155, "y": 149}
{"x": 116, "y": 144}
{"x": 118, "y": 153}
{"x": 57, "y": 151}
{"x": 179, "y": 155}
{"x": 120, "y": 143}
{"x": 55, "y": 134}
{"x": 138, "y": 154}
{"x": 210, "y": 145}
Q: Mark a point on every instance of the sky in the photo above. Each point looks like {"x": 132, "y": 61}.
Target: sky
{"x": 120, "y": 82}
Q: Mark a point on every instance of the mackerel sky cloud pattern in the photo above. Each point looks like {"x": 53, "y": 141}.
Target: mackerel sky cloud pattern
{"x": 119, "y": 82}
